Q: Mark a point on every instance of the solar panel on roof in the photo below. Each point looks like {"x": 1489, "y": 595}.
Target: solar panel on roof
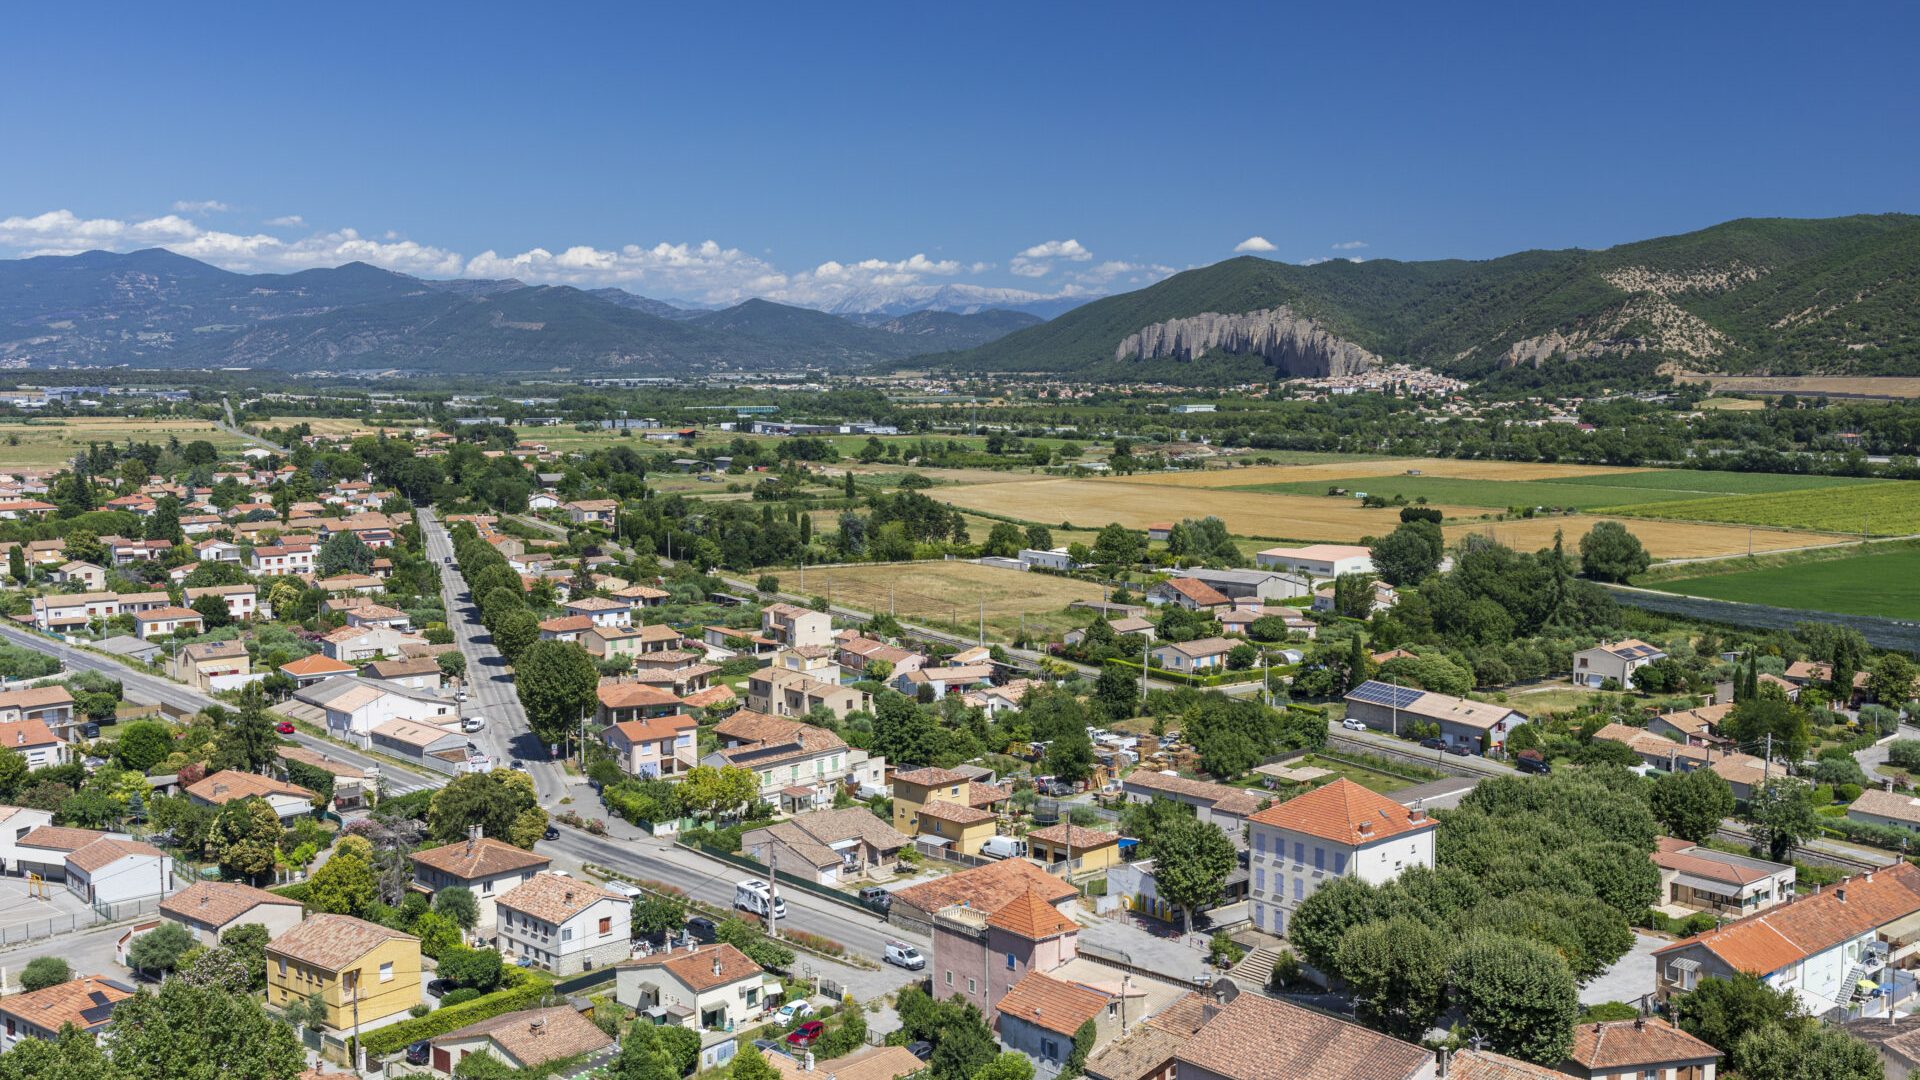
{"x": 1385, "y": 694}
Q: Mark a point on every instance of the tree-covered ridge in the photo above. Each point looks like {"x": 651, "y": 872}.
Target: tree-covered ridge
{"x": 1773, "y": 295}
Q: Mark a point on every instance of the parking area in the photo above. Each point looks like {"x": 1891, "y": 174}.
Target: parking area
{"x": 25, "y": 917}
{"x": 1628, "y": 978}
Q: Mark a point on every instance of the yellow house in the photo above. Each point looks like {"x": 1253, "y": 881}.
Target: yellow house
{"x": 1089, "y": 850}
{"x": 959, "y": 824}
{"x": 347, "y": 961}
{"x": 917, "y": 788}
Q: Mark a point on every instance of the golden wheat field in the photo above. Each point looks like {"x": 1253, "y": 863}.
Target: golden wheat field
{"x": 1094, "y": 503}
{"x": 1662, "y": 539}
{"x": 1341, "y": 470}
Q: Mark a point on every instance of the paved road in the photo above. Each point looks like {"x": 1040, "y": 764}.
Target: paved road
{"x": 149, "y": 689}
{"x": 490, "y": 691}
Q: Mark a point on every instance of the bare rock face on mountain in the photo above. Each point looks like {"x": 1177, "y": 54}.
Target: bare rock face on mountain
{"x": 1294, "y": 344}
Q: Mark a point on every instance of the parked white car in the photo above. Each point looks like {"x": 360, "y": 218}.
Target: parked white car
{"x": 794, "y": 1010}
{"x": 471, "y": 724}
{"x": 1353, "y": 725}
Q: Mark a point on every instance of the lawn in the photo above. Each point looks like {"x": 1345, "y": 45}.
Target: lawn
{"x": 950, "y": 595}
{"x": 1884, "y": 508}
{"x": 1884, "y": 583}
{"x": 50, "y": 443}
{"x": 1365, "y": 777}
{"x": 1375, "y": 466}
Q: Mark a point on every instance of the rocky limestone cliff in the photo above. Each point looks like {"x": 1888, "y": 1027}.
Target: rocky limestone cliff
{"x": 1294, "y": 344}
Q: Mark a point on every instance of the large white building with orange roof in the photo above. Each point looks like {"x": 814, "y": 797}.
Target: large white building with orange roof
{"x": 1339, "y": 830}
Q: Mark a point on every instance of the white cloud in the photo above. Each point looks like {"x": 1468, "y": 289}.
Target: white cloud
{"x": 1350, "y": 245}
{"x": 201, "y": 206}
{"x": 1254, "y": 243}
{"x": 1058, "y": 249}
{"x": 705, "y": 272}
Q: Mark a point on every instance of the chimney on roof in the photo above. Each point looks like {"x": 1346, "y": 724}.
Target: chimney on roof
{"x": 1441, "y": 1061}
{"x": 1840, "y": 893}
{"x": 1366, "y": 828}
{"x": 716, "y": 962}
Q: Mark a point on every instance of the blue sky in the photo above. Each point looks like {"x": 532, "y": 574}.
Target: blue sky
{"x": 818, "y": 153}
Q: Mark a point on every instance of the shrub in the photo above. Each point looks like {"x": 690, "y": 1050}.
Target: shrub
{"x": 459, "y": 997}
{"x": 448, "y": 1017}
{"x": 1904, "y": 754}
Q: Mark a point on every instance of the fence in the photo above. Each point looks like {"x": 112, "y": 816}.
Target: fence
{"x": 1884, "y": 633}
{"x": 51, "y": 926}
{"x": 758, "y": 868}
{"x": 945, "y": 853}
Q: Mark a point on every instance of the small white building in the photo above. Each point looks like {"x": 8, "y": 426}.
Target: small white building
{"x": 211, "y": 908}
{"x": 709, "y": 988}
{"x": 112, "y": 871}
{"x": 15, "y": 823}
{"x": 1318, "y": 560}
{"x": 486, "y": 867}
{"x": 1616, "y": 660}
{"x": 564, "y": 925}
{"x": 1047, "y": 559}
{"x": 1339, "y": 830}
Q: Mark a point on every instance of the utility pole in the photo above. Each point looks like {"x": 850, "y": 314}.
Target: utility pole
{"x": 773, "y": 893}
{"x": 983, "y": 618}
{"x": 1766, "y": 770}
{"x": 1144, "y": 642}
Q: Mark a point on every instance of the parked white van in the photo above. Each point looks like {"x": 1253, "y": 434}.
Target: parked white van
{"x": 755, "y": 895}
{"x": 1003, "y": 847}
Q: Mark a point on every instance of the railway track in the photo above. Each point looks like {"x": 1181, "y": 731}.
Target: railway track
{"x": 1451, "y": 764}
{"x": 1821, "y": 856}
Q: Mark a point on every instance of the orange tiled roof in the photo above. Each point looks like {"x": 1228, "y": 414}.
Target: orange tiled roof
{"x": 984, "y": 887}
{"x": 1345, "y": 813}
{"x": 1047, "y": 1002}
{"x": 1618, "y": 1045}
{"x": 1255, "y": 1036}
{"x": 1785, "y": 934}
{"x": 1032, "y": 917}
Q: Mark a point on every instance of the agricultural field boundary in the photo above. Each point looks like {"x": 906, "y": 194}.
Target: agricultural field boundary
{"x": 1882, "y": 632}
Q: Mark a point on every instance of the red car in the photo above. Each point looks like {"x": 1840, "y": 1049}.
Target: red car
{"x": 806, "y": 1034}
{"x": 284, "y": 727}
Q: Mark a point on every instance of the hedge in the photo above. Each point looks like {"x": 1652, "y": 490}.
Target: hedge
{"x": 1230, "y": 678}
{"x": 397, "y": 1037}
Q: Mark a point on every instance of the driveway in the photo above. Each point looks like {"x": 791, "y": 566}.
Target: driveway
{"x": 1876, "y": 755}
{"x": 1627, "y": 979}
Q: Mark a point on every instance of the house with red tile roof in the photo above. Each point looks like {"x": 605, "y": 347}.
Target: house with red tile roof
{"x": 1338, "y": 830}
{"x": 1818, "y": 946}
{"x": 980, "y": 953}
{"x": 1189, "y": 593}
{"x": 1646, "y": 1046}
{"x": 1699, "y": 878}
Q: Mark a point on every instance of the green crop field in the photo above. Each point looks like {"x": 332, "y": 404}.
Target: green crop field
{"x": 1884, "y": 583}
{"x": 1887, "y": 508}
{"x": 1722, "y": 483}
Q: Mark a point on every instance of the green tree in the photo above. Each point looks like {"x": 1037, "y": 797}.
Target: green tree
{"x": 1409, "y": 553}
{"x": 1719, "y": 1011}
{"x": 1003, "y": 541}
{"x": 759, "y": 948}
{"x": 142, "y": 744}
{"x": 1191, "y": 865}
{"x": 456, "y": 902}
{"x": 1610, "y": 553}
{"x": 44, "y": 971}
{"x": 1890, "y": 680}
{"x": 1322, "y": 920}
{"x": 345, "y": 553}
{"x": 248, "y": 944}
{"x": 1804, "y": 1049}
{"x": 17, "y": 564}
{"x": 1397, "y": 969}
{"x": 346, "y": 884}
{"x": 244, "y": 836}
{"x": 247, "y": 740}
{"x": 654, "y": 915}
{"x": 187, "y": 1032}
{"x": 1117, "y": 691}
{"x": 1766, "y": 714}
{"x": 164, "y": 522}
{"x": 903, "y": 731}
{"x": 479, "y": 969}
{"x": 14, "y": 771}
{"x": 491, "y": 800}
{"x": 1691, "y": 805}
{"x": 159, "y": 949}
{"x": 516, "y": 632}
{"x": 1518, "y": 995}
{"x": 1010, "y": 1065}
{"x": 1070, "y": 755}
{"x": 71, "y": 1055}
{"x": 1782, "y": 816}
{"x": 557, "y": 684}
{"x": 748, "y": 1064}
{"x": 1039, "y": 538}
{"x": 213, "y": 611}
{"x": 1084, "y": 1038}
{"x": 1117, "y": 545}
{"x": 82, "y": 545}
{"x": 482, "y": 1065}
{"x": 719, "y": 791}
{"x": 964, "y": 1044}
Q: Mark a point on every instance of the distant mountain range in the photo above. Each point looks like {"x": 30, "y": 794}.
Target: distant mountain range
{"x": 1774, "y": 296}
{"x": 154, "y": 308}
